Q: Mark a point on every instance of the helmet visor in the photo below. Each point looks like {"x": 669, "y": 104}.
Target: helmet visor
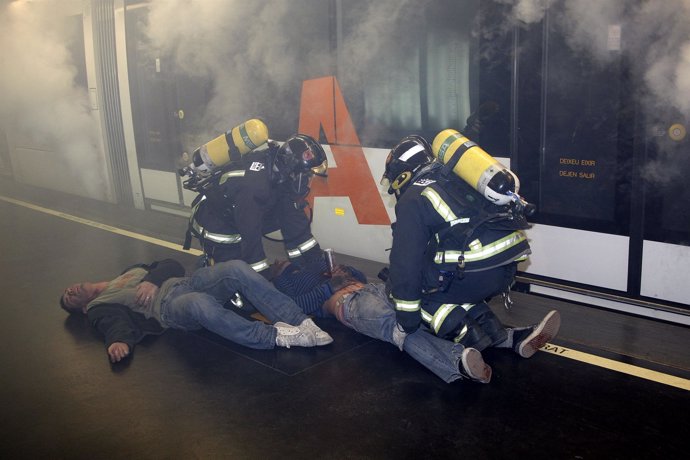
{"x": 385, "y": 180}
{"x": 320, "y": 170}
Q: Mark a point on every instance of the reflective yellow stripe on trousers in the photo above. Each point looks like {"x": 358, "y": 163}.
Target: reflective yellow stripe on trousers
{"x": 436, "y": 320}
{"x": 302, "y": 248}
{"x": 409, "y": 306}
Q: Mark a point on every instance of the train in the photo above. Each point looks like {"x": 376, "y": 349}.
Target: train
{"x": 573, "y": 97}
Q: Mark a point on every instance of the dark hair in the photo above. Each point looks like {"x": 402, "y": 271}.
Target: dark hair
{"x": 69, "y": 310}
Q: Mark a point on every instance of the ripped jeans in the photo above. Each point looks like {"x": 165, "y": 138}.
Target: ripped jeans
{"x": 369, "y": 312}
{"x": 198, "y": 303}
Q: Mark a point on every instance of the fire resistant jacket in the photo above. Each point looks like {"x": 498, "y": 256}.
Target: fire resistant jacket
{"x": 231, "y": 218}
{"x": 437, "y": 237}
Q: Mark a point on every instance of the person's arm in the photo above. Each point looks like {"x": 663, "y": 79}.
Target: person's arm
{"x": 159, "y": 272}
{"x": 410, "y": 238}
{"x": 119, "y": 329}
{"x": 295, "y": 227}
{"x": 250, "y": 202}
{"x": 163, "y": 270}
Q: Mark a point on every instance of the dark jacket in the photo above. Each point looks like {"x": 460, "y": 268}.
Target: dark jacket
{"x": 434, "y": 234}
{"x": 244, "y": 205}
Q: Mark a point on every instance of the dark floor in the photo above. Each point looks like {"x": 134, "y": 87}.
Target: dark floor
{"x": 194, "y": 395}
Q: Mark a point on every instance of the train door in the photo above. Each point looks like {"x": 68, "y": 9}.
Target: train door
{"x": 5, "y": 166}
{"x": 165, "y": 107}
{"x": 663, "y": 204}
{"x": 603, "y": 171}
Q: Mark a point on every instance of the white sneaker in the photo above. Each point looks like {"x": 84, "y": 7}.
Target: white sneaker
{"x": 540, "y": 335}
{"x": 474, "y": 367}
{"x": 293, "y": 336}
{"x": 322, "y": 337}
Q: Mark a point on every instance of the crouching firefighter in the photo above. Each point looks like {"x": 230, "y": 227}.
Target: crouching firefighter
{"x": 250, "y": 186}
{"x": 457, "y": 241}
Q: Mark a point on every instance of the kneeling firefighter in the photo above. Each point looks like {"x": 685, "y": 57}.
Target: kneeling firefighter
{"x": 457, "y": 238}
{"x": 250, "y": 186}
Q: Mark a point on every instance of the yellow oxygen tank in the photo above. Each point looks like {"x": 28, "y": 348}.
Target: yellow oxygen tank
{"x": 476, "y": 167}
{"x": 229, "y": 146}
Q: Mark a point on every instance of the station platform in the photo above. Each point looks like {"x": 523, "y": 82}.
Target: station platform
{"x": 610, "y": 386}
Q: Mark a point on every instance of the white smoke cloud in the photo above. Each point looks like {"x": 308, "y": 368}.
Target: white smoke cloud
{"x": 655, "y": 36}
{"x": 372, "y": 31}
{"x": 682, "y": 75}
{"x": 238, "y": 46}
{"x": 662, "y": 30}
{"x": 40, "y": 102}
{"x": 530, "y": 11}
{"x": 227, "y": 41}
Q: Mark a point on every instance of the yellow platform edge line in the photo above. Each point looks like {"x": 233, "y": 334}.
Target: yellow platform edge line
{"x": 108, "y": 228}
{"x": 617, "y": 366}
{"x": 587, "y": 358}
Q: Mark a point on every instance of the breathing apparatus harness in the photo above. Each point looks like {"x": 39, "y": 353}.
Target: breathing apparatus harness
{"x": 460, "y": 232}
{"x": 206, "y": 184}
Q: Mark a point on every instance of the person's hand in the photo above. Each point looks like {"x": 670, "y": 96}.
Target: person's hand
{"x": 146, "y": 292}
{"x": 277, "y": 268}
{"x": 117, "y": 351}
{"x": 340, "y": 270}
{"x": 338, "y": 282}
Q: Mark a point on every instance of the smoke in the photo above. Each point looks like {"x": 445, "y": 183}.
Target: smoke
{"x": 378, "y": 26}
{"x": 40, "y": 101}
{"x": 246, "y": 49}
{"x": 241, "y": 48}
{"x": 529, "y": 11}
{"x": 655, "y": 35}
{"x": 662, "y": 28}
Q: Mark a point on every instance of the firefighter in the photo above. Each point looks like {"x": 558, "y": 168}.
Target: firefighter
{"x": 454, "y": 249}
{"x": 263, "y": 191}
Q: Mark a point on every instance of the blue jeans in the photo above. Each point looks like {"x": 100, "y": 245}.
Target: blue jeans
{"x": 198, "y": 303}
{"x": 369, "y": 312}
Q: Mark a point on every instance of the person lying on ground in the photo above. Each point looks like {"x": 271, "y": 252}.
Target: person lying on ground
{"x": 366, "y": 307}
{"x": 148, "y": 299}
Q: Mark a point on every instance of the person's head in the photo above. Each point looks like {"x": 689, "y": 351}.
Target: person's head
{"x": 410, "y": 155}
{"x": 297, "y": 160}
{"x": 77, "y": 297}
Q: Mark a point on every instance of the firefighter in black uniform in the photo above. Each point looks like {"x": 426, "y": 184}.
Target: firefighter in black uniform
{"x": 452, "y": 251}
{"x": 262, "y": 192}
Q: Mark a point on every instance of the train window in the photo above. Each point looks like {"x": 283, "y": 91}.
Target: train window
{"x": 664, "y": 175}
{"x": 243, "y": 62}
{"x": 75, "y": 47}
{"x": 403, "y": 71}
{"x": 154, "y": 108}
{"x": 574, "y": 132}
